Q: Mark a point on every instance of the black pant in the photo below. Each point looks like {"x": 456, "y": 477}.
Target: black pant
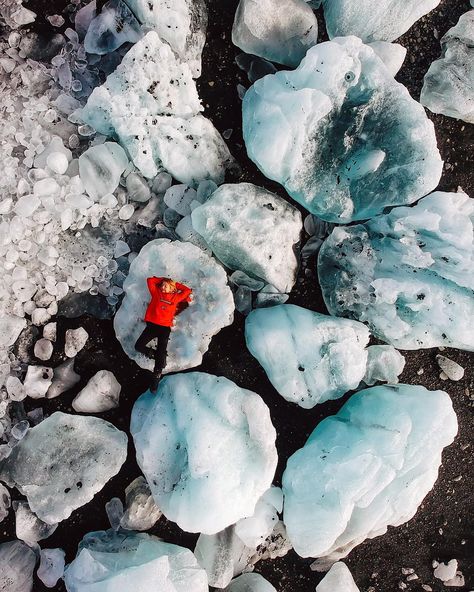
{"x": 150, "y": 332}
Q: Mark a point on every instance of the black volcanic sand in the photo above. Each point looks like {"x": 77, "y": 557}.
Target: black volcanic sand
{"x": 443, "y": 526}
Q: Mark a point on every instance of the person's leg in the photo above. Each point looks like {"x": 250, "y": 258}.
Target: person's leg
{"x": 163, "y": 334}
{"x": 149, "y": 333}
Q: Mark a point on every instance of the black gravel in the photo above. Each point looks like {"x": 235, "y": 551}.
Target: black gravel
{"x": 443, "y": 526}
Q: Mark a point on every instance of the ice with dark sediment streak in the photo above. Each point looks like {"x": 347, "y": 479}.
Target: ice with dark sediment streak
{"x": 109, "y": 560}
{"x": 150, "y": 104}
{"x": 340, "y": 134}
{"x": 366, "y": 468}
{"x": 281, "y": 31}
{"x": 374, "y": 20}
{"x": 183, "y": 433}
{"x": 407, "y": 274}
{"x": 17, "y": 563}
{"x": 448, "y": 86}
{"x": 63, "y": 462}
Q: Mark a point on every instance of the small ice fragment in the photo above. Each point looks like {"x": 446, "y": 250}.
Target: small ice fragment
{"x": 100, "y": 394}
{"x": 446, "y": 571}
{"x": 161, "y": 182}
{"x": 126, "y": 212}
{"x": 5, "y": 503}
{"x": 37, "y": 381}
{"x": 75, "y": 341}
{"x": 240, "y": 278}
{"x": 49, "y": 331}
{"x": 20, "y": 429}
{"x": 121, "y": 248}
{"x": 51, "y": 566}
{"x": 451, "y": 369}
{"x": 338, "y": 579}
{"x": 64, "y": 378}
{"x": 384, "y": 364}
{"x": 57, "y": 162}
{"x": 137, "y": 188}
{"x": 141, "y": 512}
{"x": 114, "y": 509}
{"x": 179, "y": 198}
{"x": 100, "y": 168}
{"x": 43, "y": 349}
{"x": 28, "y": 526}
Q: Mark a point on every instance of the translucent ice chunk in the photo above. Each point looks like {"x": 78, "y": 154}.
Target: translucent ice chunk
{"x": 111, "y": 28}
{"x": 29, "y": 527}
{"x": 100, "y": 394}
{"x": 392, "y": 55}
{"x": 384, "y": 364}
{"x": 64, "y": 378}
{"x": 51, "y": 566}
{"x": 17, "y": 563}
{"x": 76, "y": 339}
{"x": 141, "y": 512}
{"x": 250, "y": 582}
{"x": 338, "y": 579}
{"x": 100, "y": 168}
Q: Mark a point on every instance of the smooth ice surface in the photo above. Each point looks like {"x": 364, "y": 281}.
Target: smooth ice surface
{"x": 17, "y": 563}
{"x": 278, "y": 30}
{"x": 51, "y": 566}
{"x": 250, "y": 229}
{"x": 308, "y": 357}
{"x": 250, "y": 582}
{"x": 449, "y": 83}
{"x": 212, "y": 308}
{"x": 392, "y": 55}
{"x": 63, "y": 462}
{"x": 132, "y": 561}
{"x": 374, "y": 20}
{"x": 64, "y": 378}
{"x": 408, "y": 274}
{"x": 366, "y": 468}
{"x": 101, "y": 393}
{"x": 100, "y": 168}
{"x": 340, "y": 134}
{"x": 182, "y": 434}
{"x": 338, "y": 579}
{"x": 150, "y": 103}
{"x": 181, "y": 23}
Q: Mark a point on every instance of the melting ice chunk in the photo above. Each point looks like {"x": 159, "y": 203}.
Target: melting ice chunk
{"x": 137, "y": 561}
{"x": 111, "y": 28}
{"x": 449, "y": 83}
{"x": 28, "y": 527}
{"x": 141, "y": 512}
{"x": 278, "y": 30}
{"x": 17, "y": 563}
{"x": 338, "y": 579}
{"x": 407, "y": 274}
{"x": 330, "y": 132}
{"x": 250, "y": 229}
{"x": 182, "y": 435}
{"x": 63, "y": 462}
{"x": 100, "y": 168}
{"x": 380, "y": 454}
{"x": 250, "y": 582}
{"x": 51, "y": 566}
{"x": 100, "y": 394}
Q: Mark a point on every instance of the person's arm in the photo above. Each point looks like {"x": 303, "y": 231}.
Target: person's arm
{"x": 152, "y": 283}
{"x": 186, "y": 293}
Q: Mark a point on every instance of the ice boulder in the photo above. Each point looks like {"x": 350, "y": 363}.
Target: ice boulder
{"x": 407, "y": 274}
{"x": 250, "y": 229}
{"x": 366, "y": 468}
{"x": 182, "y": 435}
{"x": 17, "y": 563}
{"x": 181, "y": 23}
{"x": 133, "y": 561}
{"x": 338, "y": 579}
{"x": 374, "y": 20}
{"x": 212, "y": 309}
{"x": 250, "y": 582}
{"x": 101, "y": 393}
{"x": 150, "y": 104}
{"x": 278, "y": 30}
{"x": 63, "y": 462}
{"x": 449, "y": 83}
{"x": 308, "y": 357}
{"x": 330, "y": 132}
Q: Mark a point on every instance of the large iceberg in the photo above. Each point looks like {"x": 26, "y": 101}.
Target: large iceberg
{"x": 212, "y": 308}
{"x": 338, "y": 579}
{"x": 449, "y": 83}
{"x": 61, "y": 463}
{"x": 109, "y": 561}
{"x": 278, "y": 30}
{"x": 250, "y": 229}
{"x": 308, "y": 357}
{"x": 181, "y": 23}
{"x": 374, "y": 20}
{"x": 150, "y": 104}
{"x": 340, "y": 134}
{"x": 407, "y": 274}
{"x": 182, "y": 435}
{"x": 366, "y": 468}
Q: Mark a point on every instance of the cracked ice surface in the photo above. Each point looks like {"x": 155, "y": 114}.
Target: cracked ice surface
{"x": 374, "y": 20}
{"x": 212, "y": 308}
{"x": 449, "y": 83}
{"x": 253, "y": 230}
{"x": 407, "y": 274}
{"x": 63, "y": 462}
{"x": 150, "y": 103}
{"x": 181, "y": 436}
{"x": 366, "y": 468}
{"x": 330, "y": 132}
{"x": 135, "y": 561}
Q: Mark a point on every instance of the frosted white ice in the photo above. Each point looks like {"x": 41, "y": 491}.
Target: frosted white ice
{"x": 100, "y": 394}
{"x": 338, "y": 579}
{"x": 250, "y": 583}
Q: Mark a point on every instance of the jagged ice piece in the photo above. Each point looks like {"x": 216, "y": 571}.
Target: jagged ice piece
{"x": 111, "y": 28}
{"x": 17, "y": 563}
{"x": 250, "y": 582}
{"x": 338, "y": 579}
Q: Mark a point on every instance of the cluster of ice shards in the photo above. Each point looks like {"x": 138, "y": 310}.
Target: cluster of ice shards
{"x": 338, "y": 579}
{"x": 279, "y": 31}
{"x": 366, "y": 468}
{"x": 211, "y": 310}
{"x": 310, "y": 357}
{"x": 407, "y": 274}
{"x": 17, "y": 563}
{"x": 449, "y": 83}
{"x": 250, "y": 583}
{"x": 15, "y": 15}
{"x": 150, "y": 103}
{"x": 252, "y": 230}
{"x": 331, "y": 133}
{"x": 181, "y": 436}
{"x": 134, "y": 561}
{"x": 373, "y": 20}
{"x": 63, "y": 462}
{"x": 181, "y": 23}
{"x": 239, "y": 547}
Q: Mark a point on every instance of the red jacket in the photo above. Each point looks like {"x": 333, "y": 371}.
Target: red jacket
{"x": 163, "y": 306}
